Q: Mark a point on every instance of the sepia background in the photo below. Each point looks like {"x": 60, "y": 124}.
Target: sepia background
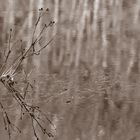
{"x": 87, "y": 80}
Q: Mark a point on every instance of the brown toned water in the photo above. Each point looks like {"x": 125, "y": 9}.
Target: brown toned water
{"x": 87, "y": 79}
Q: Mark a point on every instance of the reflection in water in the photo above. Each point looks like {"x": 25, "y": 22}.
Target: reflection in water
{"x": 95, "y": 56}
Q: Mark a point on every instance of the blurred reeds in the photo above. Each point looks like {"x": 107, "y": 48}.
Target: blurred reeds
{"x": 94, "y": 59}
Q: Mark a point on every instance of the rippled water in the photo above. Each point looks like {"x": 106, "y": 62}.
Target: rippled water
{"x": 87, "y": 80}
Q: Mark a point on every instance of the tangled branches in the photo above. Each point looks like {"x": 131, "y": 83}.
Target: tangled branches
{"x": 7, "y": 78}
